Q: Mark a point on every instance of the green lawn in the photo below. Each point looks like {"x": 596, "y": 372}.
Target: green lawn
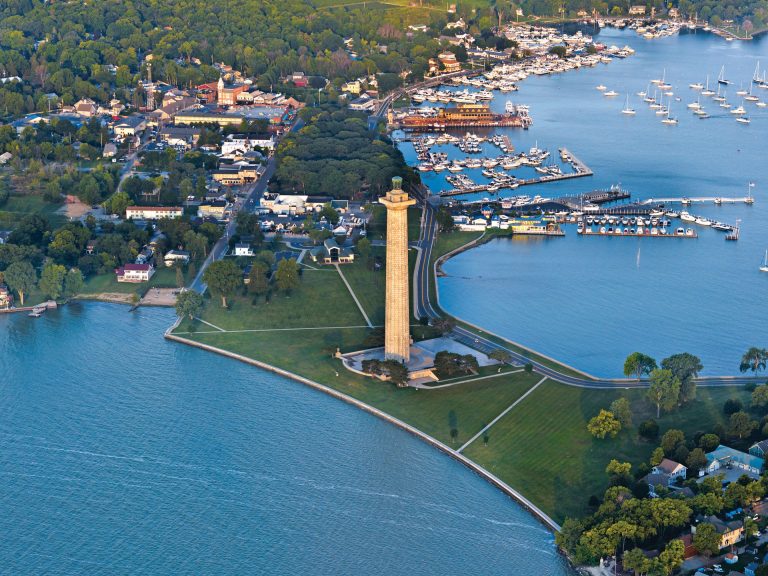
{"x": 321, "y": 300}
{"x": 309, "y": 354}
{"x": 19, "y": 205}
{"x": 107, "y": 283}
{"x": 543, "y": 449}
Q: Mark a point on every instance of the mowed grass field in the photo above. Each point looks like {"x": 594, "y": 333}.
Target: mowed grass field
{"x": 19, "y": 205}
{"x": 310, "y": 354}
{"x": 107, "y": 283}
{"x": 542, "y": 446}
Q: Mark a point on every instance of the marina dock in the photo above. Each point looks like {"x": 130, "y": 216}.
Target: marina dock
{"x": 646, "y": 233}
{"x": 704, "y": 199}
{"x": 580, "y": 170}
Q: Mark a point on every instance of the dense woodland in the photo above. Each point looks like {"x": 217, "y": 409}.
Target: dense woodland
{"x": 335, "y": 154}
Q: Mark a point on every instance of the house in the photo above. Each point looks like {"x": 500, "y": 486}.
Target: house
{"x": 331, "y": 253}
{"x": 674, "y": 469}
{"x": 656, "y": 479}
{"x": 235, "y": 174}
{"x": 725, "y": 457}
{"x": 757, "y": 449}
{"x": 135, "y": 273}
{"x": 153, "y": 212}
{"x": 449, "y": 62}
{"x": 216, "y": 209}
{"x": 6, "y": 297}
{"x": 5, "y": 157}
{"x": 299, "y": 79}
{"x": 109, "y": 151}
{"x": 637, "y": 10}
{"x": 243, "y": 249}
{"x": 86, "y": 107}
{"x": 173, "y": 257}
{"x": 364, "y": 103}
{"x": 185, "y": 137}
{"x": 242, "y": 143}
{"x": 353, "y": 87}
{"x": 226, "y": 94}
{"x": 730, "y": 532}
{"x": 130, "y": 126}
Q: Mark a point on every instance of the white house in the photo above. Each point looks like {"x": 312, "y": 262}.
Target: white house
{"x": 243, "y": 250}
{"x": 153, "y": 212}
{"x": 173, "y": 257}
{"x": 135, "y": 273}
{"x": 674, "y": 469}
{"x": 242, "y": 143}
{"x": 130, "y": 126}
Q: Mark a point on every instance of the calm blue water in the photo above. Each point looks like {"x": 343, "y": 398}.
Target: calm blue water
{"x": 591, "y": 301}
{"x": 121, "y": 453}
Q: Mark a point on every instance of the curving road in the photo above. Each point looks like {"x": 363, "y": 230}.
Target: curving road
{"x": 423, "y": 307}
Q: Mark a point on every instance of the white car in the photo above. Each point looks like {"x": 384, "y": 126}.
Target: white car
{"x": 717, "y": 568}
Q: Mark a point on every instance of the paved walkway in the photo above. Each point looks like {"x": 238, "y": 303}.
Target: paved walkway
{"x": 221, "y": 330}
{"x": 500, "y": 416}
{"x": 360, "y": 306}
{"x": 209, "y": 324}
{"x": 465, "y": 380}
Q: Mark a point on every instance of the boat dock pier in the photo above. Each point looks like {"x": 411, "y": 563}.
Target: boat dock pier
{"x": 577, "y": 164}
{"x": 713, "y": 199}
{"x": 646, "y": 233}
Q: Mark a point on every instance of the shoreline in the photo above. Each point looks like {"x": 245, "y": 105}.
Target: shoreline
{"x": 534, "y": 510}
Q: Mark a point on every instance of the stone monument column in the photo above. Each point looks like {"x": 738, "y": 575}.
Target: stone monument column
{"x": 397, "y": 334}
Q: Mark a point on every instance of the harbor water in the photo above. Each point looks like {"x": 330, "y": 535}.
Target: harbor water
{"x": 590, "y": 301}
{"x": 123, "y": 453}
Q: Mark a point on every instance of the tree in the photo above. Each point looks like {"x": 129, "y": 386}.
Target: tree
{"x": 398, "y": 372}
{"x": 189, "y": 303}
{"x": 664, "y": 390}
{"x": 648, "y": 429}
{"x": 223, "y": 278}
{"x": 52, "y": 280}
{"x": 73, "y": 282}
{"x": 685, "y": 367}
{"x": 21, "y": 277}
{"x": 179, "y": 277}
{"x": 258, "y": 282}
{"x": 604, "y": 424}
{"x": 364, "y": 248}
{"x": 731, "y": 406}
{"x": 708, "y": 503}
{"x": 671, "y": 558}
{"x": 706, "y": 540}
{"x": 696, "y": 459}
{"x": 636, "y": 561}
{"x": 638, "y": 364}
{"x": 287, "y": 275}
{"x": 741, "y": 425}
{"x": 618, "y": 468}
{"x": 754, "y": 359}
{"x": 760, "y": 396}
{"x": 500, "y": 355}
{"x": 621, "y": 409}
{"x": 671, "y": 440}
{"x": 709, "y": 442}
{"x": 657, "y": 456}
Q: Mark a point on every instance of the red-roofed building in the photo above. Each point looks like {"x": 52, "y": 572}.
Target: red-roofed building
{"x": 135, "y": 273}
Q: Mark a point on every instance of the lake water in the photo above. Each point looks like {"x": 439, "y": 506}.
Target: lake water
{"x": 122, "y": 453}
{"x": 591, "y": 301}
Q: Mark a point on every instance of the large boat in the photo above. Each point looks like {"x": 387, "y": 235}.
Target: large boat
{"x": 627, "y": 110}
{"x": 764, "y": 267}
{"x": 721, "y": 78}
{"x": 464, "y": 115}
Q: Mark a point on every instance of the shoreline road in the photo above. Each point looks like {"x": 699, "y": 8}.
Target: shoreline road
{"x": 423, "y": 308}
{"x": 253, "y": 194}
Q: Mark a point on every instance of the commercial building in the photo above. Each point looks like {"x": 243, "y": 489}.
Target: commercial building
{"x": 153, "y": 212}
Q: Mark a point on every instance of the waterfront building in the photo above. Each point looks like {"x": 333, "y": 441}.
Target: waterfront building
{"x": 153, "y": 212}
{"x": 135, "y": 273}
{"x": 397, "y": 338}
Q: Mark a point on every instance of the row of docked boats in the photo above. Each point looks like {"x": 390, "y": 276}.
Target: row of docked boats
{"x": 447, "y": 96}
{"x": 702, "y": 221}
{"x": 438, "y": 162}
{"x": 639, "y": 231}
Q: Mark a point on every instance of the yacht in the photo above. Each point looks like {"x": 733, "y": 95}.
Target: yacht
{"x": 701, "y": 221}
{"x": 610, "y": 93}
{"x": 627, "y": 110}
{"x": 602, "y": 88}
{"x": 700, "y": 112}
{"x": 742, "y": 120}
{"x": 686, "y": 217}
{"x": 739, "y": 110}
{"x": 721, "y": 78}
{"x": 696, "y": 86}
{"x": 707, "y": 91}
{"x": 764, "y": 267}
{"x": 694, "y": 105}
